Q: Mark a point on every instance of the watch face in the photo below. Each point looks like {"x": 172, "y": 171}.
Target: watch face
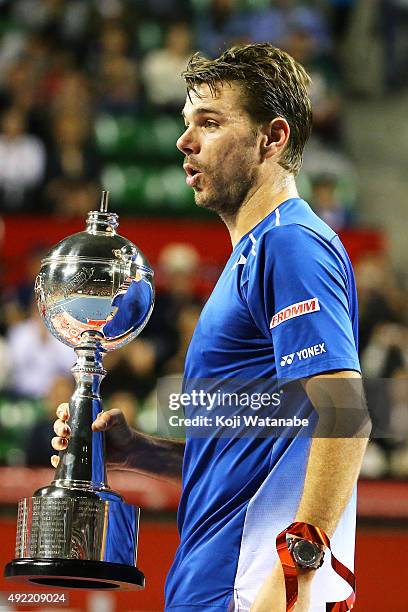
{"x": 306, "y": 552}
{"x": 307, "y": 555}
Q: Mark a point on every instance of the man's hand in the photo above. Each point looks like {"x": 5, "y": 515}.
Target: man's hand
{"x": 126, "y": 448}
{"x": 272, "y": 595}
{"x": 119, "y": 439}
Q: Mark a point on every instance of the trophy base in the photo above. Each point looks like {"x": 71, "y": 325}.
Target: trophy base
{"x": 75, "y": 574}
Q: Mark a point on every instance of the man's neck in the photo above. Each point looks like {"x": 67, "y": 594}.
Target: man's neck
{"x": 261, "y": 203}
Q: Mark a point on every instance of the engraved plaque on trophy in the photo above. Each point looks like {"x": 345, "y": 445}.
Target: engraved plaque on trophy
{"x": 95, "y": 293}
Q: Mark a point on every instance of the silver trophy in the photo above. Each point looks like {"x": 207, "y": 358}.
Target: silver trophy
{"x": 95, "y": 293}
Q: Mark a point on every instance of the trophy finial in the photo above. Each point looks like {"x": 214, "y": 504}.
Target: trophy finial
{"x": 104, "y": 201}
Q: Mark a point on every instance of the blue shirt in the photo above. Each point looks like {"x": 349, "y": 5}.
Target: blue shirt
{"x": 285, "y": 307}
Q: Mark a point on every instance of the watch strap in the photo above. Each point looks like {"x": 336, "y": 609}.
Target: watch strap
{"x": 315, "y": 535}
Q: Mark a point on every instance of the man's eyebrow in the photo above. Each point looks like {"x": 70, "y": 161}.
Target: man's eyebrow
{"x": 201, "y": 110}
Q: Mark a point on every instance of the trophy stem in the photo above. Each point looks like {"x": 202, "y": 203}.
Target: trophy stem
{"x": 82, "y": 463}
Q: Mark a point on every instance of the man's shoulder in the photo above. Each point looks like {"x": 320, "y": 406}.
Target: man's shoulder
{"x": 296, "y": 239}
{"x": 293, "y": 220}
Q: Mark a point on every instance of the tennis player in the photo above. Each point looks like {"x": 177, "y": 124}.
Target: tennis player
{"x": 284, "y": 308}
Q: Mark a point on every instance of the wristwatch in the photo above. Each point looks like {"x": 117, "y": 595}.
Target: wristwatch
{"x": 305, "y": 554}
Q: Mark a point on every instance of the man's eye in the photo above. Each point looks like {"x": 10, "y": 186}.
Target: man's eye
{"x": 210, "y": 124}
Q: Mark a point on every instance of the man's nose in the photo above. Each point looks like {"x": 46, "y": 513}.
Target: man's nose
{"x": 187, "y": 144}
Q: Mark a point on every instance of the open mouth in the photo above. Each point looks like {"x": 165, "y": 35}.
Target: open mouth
{"x": 192, "y": 173}
{"x": 190, "y": 170}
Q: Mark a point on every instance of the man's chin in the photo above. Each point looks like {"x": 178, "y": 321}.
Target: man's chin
{"x": 202, "y": 201}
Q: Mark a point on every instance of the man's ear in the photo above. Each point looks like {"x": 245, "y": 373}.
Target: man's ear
{"x": 275, "y": 136}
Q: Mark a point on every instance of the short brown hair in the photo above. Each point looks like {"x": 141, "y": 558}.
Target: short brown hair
{"x": 275, "y": 86}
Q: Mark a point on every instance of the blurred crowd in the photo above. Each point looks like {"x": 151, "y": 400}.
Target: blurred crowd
{"x": 63, "y": 66}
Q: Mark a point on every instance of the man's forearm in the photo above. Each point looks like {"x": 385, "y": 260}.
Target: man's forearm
{"x": 155, "y": 456}
{"x": 332, "y": 472}
{"x": 334, "y": 462}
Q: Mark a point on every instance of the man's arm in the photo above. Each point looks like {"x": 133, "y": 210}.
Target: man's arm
{"x": 154, "y": 456}
{"x": 334, "y": 462}
{"x": 332, "y": 471}
{"x": 126, "y": 448}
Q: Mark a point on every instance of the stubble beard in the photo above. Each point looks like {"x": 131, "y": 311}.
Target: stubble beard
{"x": 228, "y": 191}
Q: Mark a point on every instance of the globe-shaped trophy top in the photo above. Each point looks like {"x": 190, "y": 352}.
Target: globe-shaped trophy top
{"x": 98, "y": 281}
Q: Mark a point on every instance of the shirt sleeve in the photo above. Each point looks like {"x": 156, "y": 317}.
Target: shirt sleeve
{"x": 298, "y": 293}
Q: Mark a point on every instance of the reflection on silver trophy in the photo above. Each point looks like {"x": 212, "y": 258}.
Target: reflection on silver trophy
{"x": 95, "y": 293}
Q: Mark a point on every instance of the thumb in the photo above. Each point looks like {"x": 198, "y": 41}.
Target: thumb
{"x": 107, "y": 420}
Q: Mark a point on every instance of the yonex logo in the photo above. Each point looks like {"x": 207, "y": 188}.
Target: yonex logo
{"x": 295, "y": 310}
{"x": 287, "y": 359}
{"x": 306, "y": 353}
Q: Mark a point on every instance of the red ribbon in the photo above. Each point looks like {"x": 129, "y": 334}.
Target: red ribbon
{"x": 317, "y": 536}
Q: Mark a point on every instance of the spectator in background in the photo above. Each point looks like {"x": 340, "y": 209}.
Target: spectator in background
{"x": 114, "y": 41}
{"x": 70, "y": 94}
{"x": 162, "y": 68}
{"x": 72, "y": 158}
{"x": 73, "y": 197}
{"x": 38, "y": 14}
{"x": 222, "y": 24}
{"x": 384, "y": 355}
{"x": 17, "y": 301}
{"x": 116, "y": 72}
{"x": 62, "y": 23}
{"x": 177, "y": 272}
{"x": 41, "y": 52}
{"x": 385, "y": 363}
{"x": 381, "y": 299}
{"x": 35, "y": 358}
{"x": 393, "y": 18}
{"x": 325, "y": 91}
{"x": 275, "y": 22}
{"x": 22, "y": 164}
{"x": 169, "y": 10}
{"x": 326, "y": 202}
{"x": 119, "y": 89}
{"x": 185, "y": 325}
{"x": 132, "y": 369}
{"x": 38, "y": 449}
{"x": 340, "y": 13}
{"x": 31, "y": 64}
{"x": 20, "y": 88}
{"x": 11, "y": 47}
{"x": 270, "y": 23}
{"x": 387, "y": 351}
{"x": 31, "y": 78}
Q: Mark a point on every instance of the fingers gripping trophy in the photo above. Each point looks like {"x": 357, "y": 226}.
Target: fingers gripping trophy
{"x": 95, "y": 293}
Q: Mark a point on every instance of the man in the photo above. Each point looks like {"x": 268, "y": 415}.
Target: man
{"x": 283, "y": 308}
